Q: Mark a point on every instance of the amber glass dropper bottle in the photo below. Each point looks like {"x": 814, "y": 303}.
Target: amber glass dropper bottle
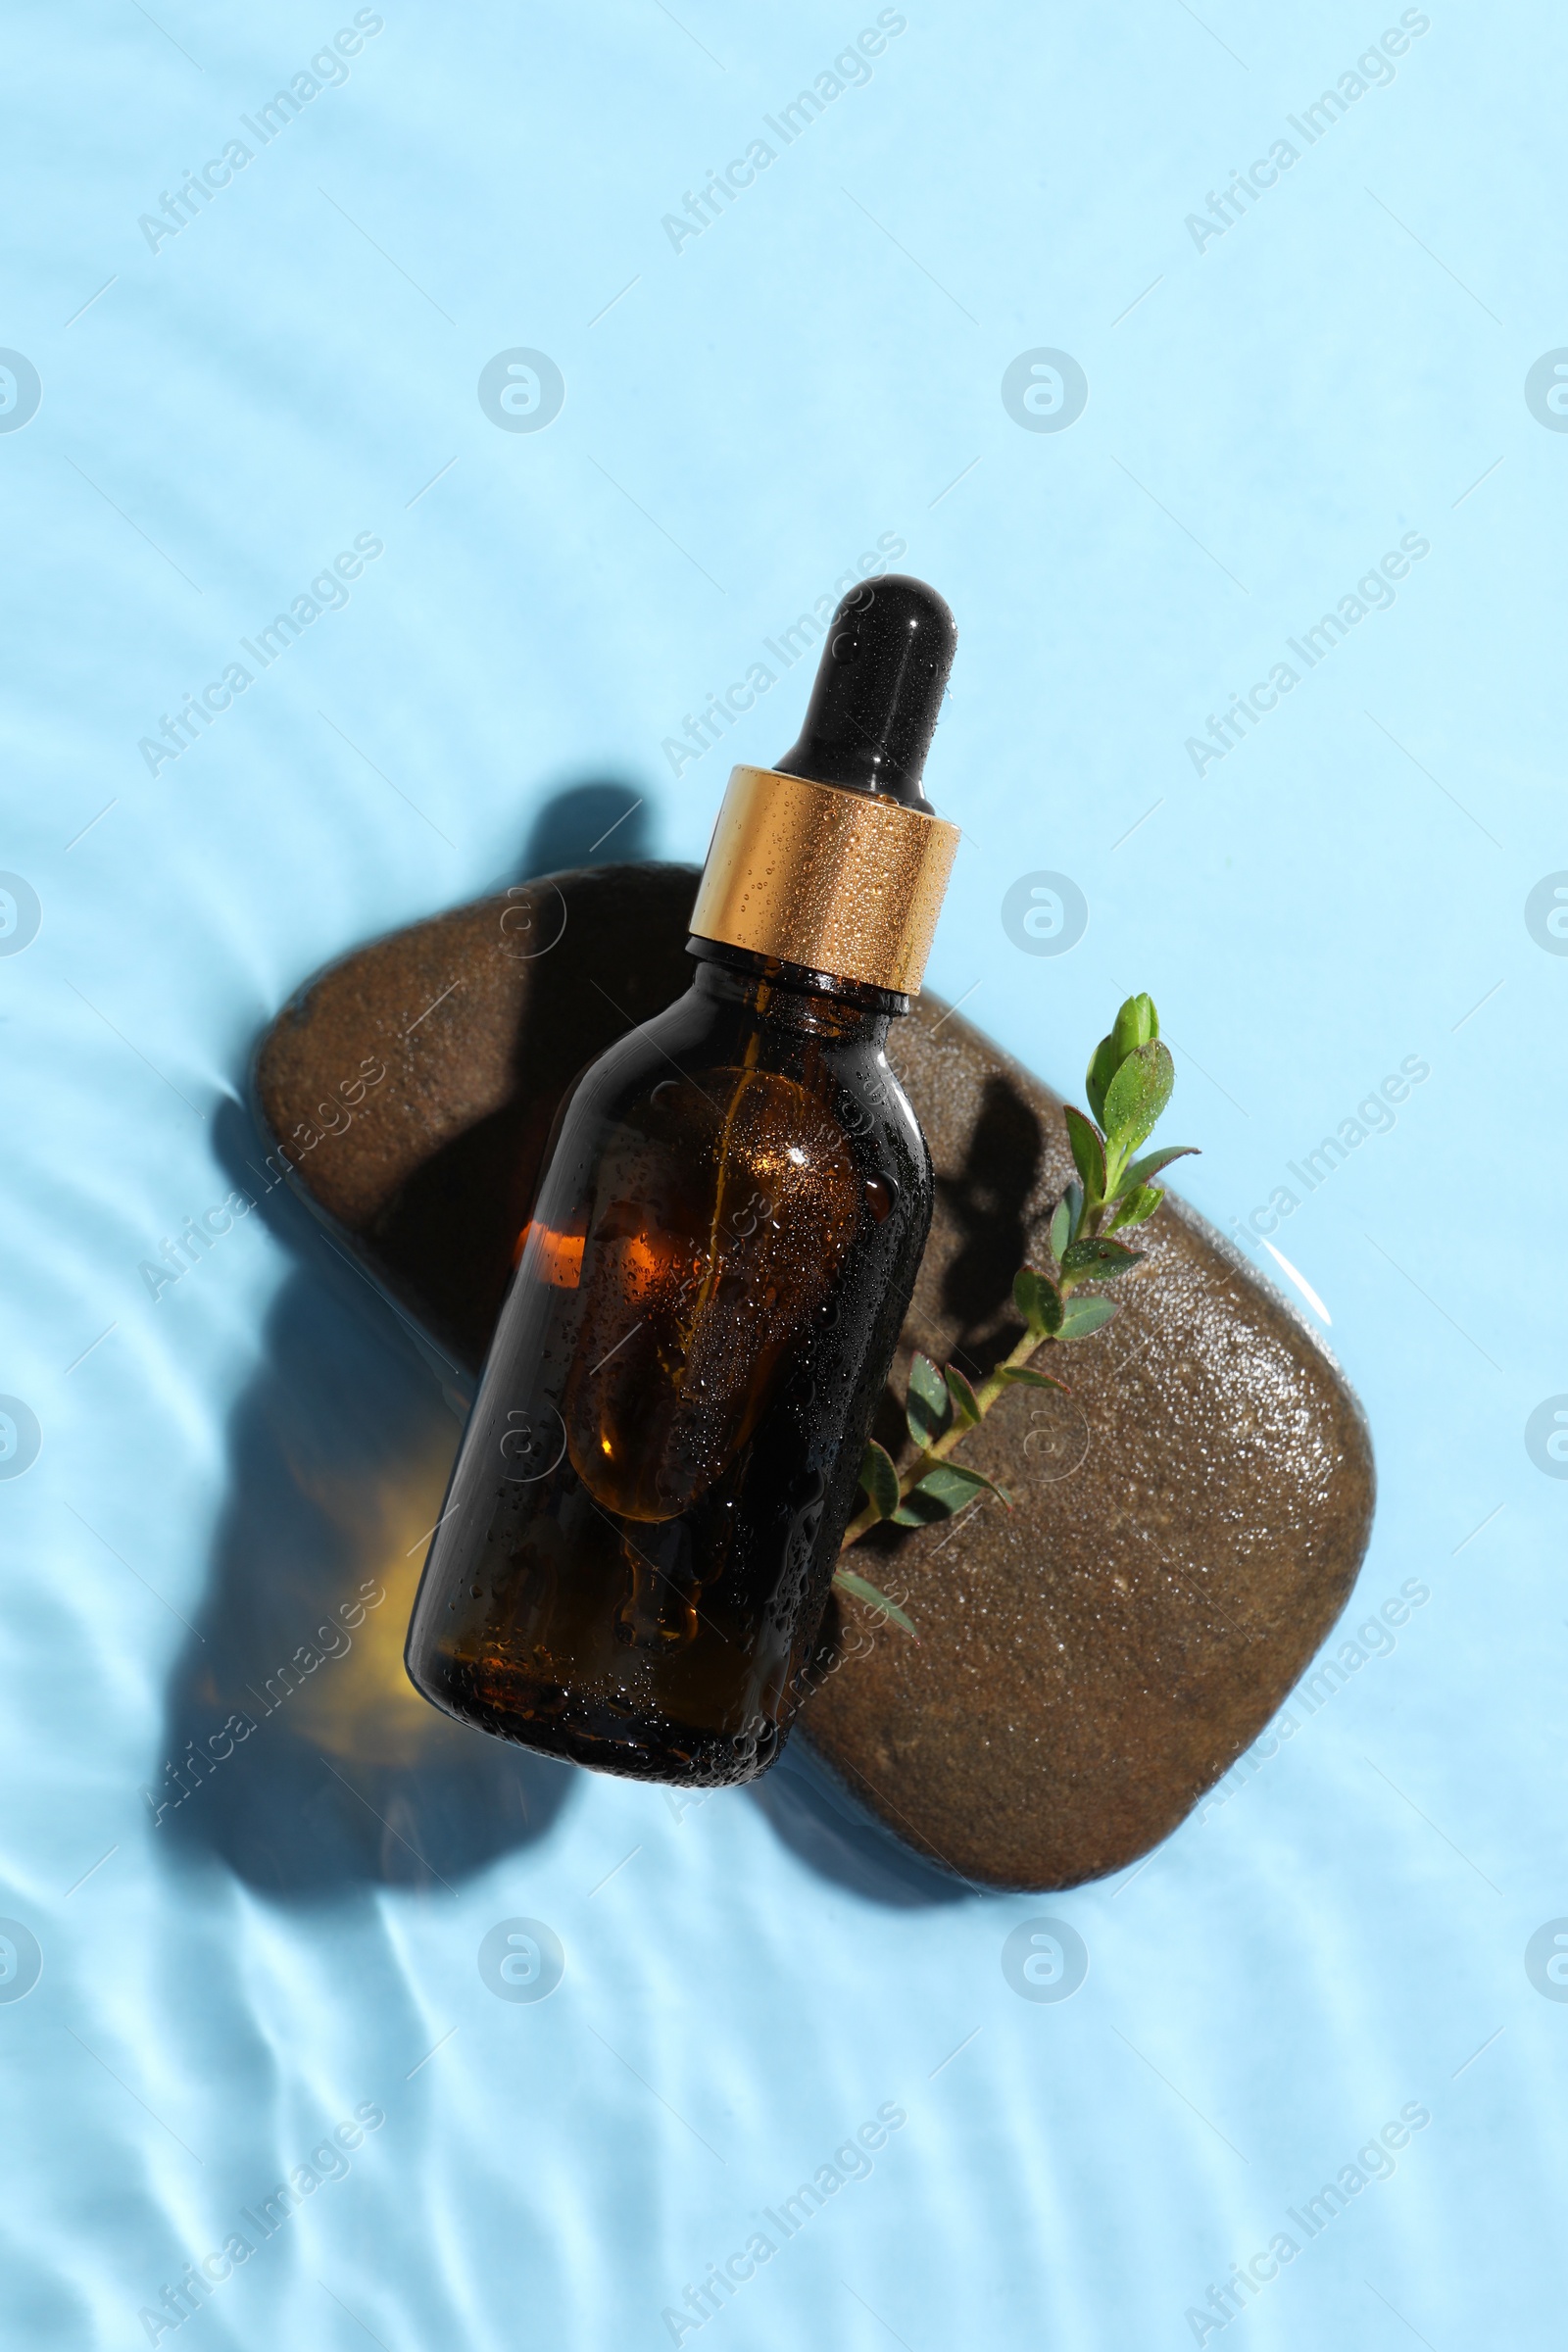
{"x": 642, "y": 1524}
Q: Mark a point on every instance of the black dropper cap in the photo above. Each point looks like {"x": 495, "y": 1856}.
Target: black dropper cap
{"x": 879, "y": 688}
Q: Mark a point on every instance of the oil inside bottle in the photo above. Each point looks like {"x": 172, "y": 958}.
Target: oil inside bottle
{"x": 722, "y": 1215}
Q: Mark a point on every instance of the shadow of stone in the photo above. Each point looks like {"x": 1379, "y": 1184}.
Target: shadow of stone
{"x": 827, "y": 1827}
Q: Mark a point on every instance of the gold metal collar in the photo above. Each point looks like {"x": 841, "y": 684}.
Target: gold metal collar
{"x": 843, "y": 882}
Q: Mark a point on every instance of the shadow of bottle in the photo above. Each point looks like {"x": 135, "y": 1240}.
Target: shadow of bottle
{"x": 298, "y": 1755}
{"x": 602, "y": 823}
{"x": 987, "y": 1200}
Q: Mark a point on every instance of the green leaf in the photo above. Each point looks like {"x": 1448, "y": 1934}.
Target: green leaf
{"x": 964, "y": 1402}
{"x": 1074, "y": 1199}
{"x": 1021, "y": 1376}
{"x": 1137, "y": 1095}
{"x": 1136, "y": 1024}
{"x": 1102, "y": 1065}
{"x": 1087, "y": 1153}
{"x": 942, "y": 1492}
{"x": 1061, "y": 1230}
{"x": 1038, "y": 1301}
{"x": 1099, "y": 1260}
{"x": 928, "y": 1409}
{"x": 1081, "y": 1316}
{"x": 847, "y": 1580}
{"x": 1137, "y": 1205}
{"x": 1144, "y": 1171}
{"x": 957, "y": 1479}
{"x": 879, "y": 1479}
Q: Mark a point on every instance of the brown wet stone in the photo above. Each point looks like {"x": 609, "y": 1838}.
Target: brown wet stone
{"x": 1185, "y": 1529}
{"x": 482, "y": 1018}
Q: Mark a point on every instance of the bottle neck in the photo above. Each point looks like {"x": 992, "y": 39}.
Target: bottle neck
{"x": 846, "y": 1011}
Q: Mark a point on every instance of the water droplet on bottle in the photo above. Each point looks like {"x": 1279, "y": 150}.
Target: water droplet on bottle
{"x": 880, "y": 1193}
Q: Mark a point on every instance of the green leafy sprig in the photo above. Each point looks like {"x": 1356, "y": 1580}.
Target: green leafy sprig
{"x": 1129, "y": 1083}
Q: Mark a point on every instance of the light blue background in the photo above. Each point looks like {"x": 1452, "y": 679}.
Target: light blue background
{"x": 1346, "y": 1930}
